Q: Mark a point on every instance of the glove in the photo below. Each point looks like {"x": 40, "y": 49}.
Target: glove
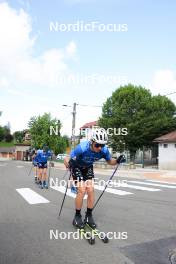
{"x": 121, "y": 159}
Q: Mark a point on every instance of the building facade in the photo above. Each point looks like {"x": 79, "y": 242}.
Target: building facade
{"x": 167, "y": 151}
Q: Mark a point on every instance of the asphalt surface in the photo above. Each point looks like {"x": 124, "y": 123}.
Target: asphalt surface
{"x": 148, "y": 218}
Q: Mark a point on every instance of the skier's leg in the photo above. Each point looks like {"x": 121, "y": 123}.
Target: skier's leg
{"x": 35, "y": 173}
{"x": 40, "y": 165}
{"x": 81, "y": 189}
{"x": 45, "y": 178}
{"x": 90, "y": 199}
{"x": 90, "y": 193}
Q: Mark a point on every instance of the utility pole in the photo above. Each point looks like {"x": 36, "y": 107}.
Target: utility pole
{"x": 73, "y": 126}
{"x": 73, "y": 141}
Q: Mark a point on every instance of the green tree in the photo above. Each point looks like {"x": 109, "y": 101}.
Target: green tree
{"x": 145, "y": 117}
{"x": 42, "y": 130}
{"x": 8, "y": 138}
{"x": 18, "y": 136}
{"x": 2, "y": 135}
{"x": 5, "y": 134}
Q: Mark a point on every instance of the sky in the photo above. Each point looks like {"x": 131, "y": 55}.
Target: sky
{"x": 48, "y": 57}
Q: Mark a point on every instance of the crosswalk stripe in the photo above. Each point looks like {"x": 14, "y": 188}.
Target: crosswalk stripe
{"x": 111, "y": 190}
{"x": 62, "y": 190}
{"x": 161, "y": 182}
{"x": 31, "y": 197}
{"x": 3, "y": 164}
{"x": 154, "y": 184}
{"x": 100, "y": 188}
{"x": 137, "y": 187}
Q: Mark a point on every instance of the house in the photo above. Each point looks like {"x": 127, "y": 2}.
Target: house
{"x": 7, "y": 152}
{"x": 22, "y": 151}
{"x": 86, "y": 130}
{"x": 27, "y": 136}
{"x": 167, "y": 151}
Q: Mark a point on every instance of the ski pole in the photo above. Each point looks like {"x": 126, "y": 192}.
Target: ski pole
{"x": 120, "y": 159}
{"x": 64, "y": 195}
{"x": 65, "y": 174}
{"x": 30, "y": 170}
{"x": 49, "y": 173}
{"x": 106, "y": 186}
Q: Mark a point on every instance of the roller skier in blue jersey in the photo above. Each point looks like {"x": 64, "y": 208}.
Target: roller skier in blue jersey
{"x": 81, "y": 165}
{"x": 42, "y": 158}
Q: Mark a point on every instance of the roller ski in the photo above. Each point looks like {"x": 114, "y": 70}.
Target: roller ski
{"x": 78, "y": 223}
{"x": 90, "y": 223}
{"x": 100, "y": 234}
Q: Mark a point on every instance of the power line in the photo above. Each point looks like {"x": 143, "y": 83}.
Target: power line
{"x": 83, "y": 105}
{"x": 90, "y": 105}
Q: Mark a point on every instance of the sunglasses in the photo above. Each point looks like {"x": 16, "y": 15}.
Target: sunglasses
{"x": 97, "y": 145}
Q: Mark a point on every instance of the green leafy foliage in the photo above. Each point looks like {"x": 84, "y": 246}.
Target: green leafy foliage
{"x": 40, "y": 131}
{"x": 5, "y": 134}
{"x": 145, "y": 117}
{"x": 18, "y": 136}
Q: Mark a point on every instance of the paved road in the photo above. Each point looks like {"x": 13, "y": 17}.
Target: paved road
{"x": 143, "y": 210}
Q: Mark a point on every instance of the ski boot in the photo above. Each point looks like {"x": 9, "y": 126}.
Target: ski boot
{"x": 45, "y": 185}
{"x": 40, "y": 184}
{"x": 89, "y": 220}
{"x": 77, "y": 221}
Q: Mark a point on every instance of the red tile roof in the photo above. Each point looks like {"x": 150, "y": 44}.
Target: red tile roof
{"x": 89, "y": 125}
{"x": 170, "y": 137}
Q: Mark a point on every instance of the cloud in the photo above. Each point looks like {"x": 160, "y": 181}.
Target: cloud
{"x": 17, "y": 62}
{"x": 4, "y": 83}
{"x": 71, "y": 49}
{"x": 164, "y": 82}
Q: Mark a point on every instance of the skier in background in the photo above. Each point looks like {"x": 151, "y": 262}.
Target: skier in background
{"x": 42, "y": 158}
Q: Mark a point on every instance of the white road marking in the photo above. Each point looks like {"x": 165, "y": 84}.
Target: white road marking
{"x": 20, "y": 166}
{"x": 62, "y": 190}
{"x": 137, "y": 187}
{"x": 110, "y": 190}
{"x": 31, "y": 197}
{"x": 162, "y": 182}
{"x": 154, "y": 184}
{"x": 3, "y": 164}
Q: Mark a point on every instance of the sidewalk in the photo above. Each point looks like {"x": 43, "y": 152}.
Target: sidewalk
{"x": 144, "y": 174}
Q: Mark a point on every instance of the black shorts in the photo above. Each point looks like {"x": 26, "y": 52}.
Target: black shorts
{"x": 81, "y": 173}
{"x": 42, "y": 165}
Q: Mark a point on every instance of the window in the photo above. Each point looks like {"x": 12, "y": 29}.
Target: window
{"x": 165, "y": 145}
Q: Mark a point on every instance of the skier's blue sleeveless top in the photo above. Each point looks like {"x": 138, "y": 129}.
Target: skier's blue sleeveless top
{"x": 42, "y": 156}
